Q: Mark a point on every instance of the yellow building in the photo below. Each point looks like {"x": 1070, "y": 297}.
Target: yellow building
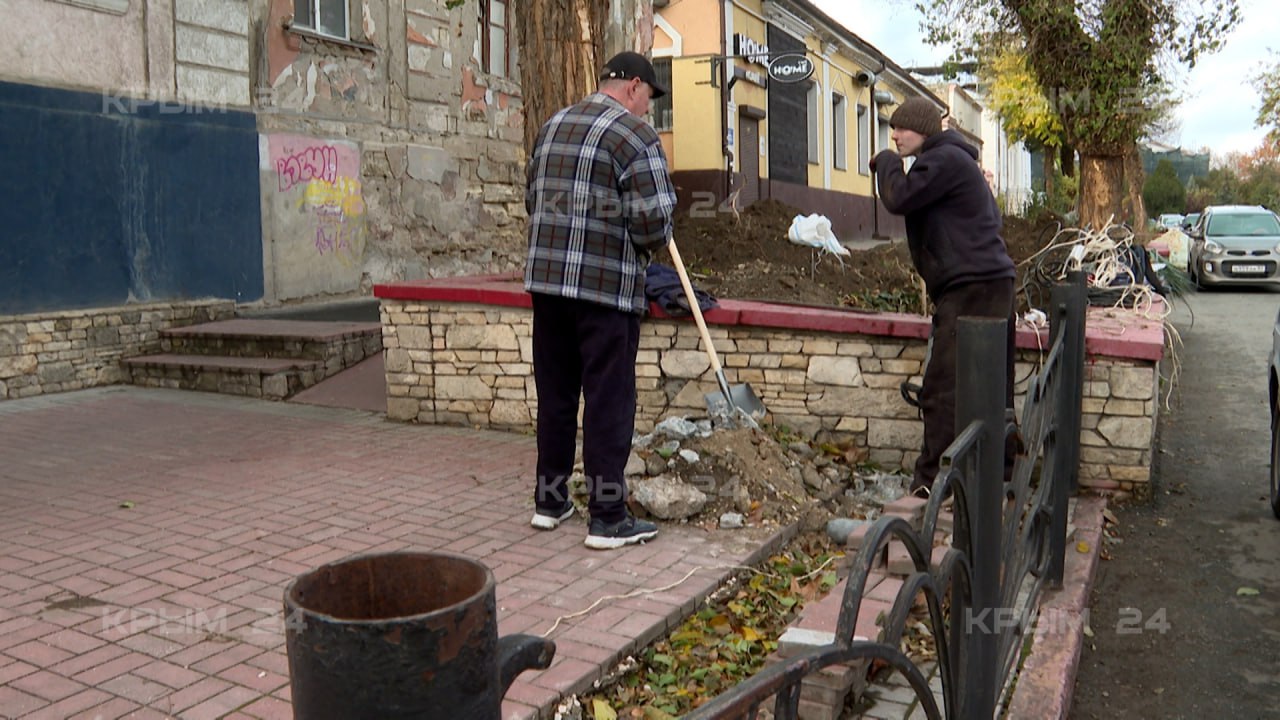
{"x": 735, "y": 131}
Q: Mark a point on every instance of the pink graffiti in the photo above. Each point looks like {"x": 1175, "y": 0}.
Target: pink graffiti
{"x": 313, "y": 163}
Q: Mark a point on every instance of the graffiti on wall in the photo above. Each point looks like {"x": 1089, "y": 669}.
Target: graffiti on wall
{"x": 321, "y": 179}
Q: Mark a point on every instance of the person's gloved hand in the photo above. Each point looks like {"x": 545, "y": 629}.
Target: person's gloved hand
{"x": 877, "y": 159}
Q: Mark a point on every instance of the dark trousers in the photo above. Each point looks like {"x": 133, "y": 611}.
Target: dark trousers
{"x": 938, "y": 397}
{"x": 582, "y": 347}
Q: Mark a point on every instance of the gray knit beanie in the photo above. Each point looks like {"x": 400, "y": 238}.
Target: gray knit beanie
{"x": 917, "y": 114}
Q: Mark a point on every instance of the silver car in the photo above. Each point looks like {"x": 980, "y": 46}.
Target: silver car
{"x": 1273, "y": 386}
{"x": 1235, "y": 244}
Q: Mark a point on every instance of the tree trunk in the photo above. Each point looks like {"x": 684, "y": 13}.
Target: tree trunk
{"x": 1048, "y": 172}
{"x": 564, "y": 43}
{"x": 1134, "y": 179}
{"x": 1101, "y": 193}
{"x": 1067, "y": 156}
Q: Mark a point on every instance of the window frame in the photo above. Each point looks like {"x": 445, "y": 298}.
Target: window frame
{"x": 666, "y": 102}
{"x": 864, "y": 139}
{"x": 813, "y": 107}
{"x": 313, "y": 27}
{"x": 485, "y": 22}
{"x": 839, "y": 131}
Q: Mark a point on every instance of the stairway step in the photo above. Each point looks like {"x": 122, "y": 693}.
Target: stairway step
{"x": 270, "y": 329}
{"x": 223, "y": 363}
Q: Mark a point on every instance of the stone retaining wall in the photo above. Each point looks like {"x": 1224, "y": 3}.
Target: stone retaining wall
{"x": 467, "y": 363}
{"x": 75, "y": 349}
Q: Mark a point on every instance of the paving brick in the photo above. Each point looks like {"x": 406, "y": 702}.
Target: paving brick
{"x": 15, "y": 703}
{"x": 47, "y": 685}
{"x": 70, "y": 707}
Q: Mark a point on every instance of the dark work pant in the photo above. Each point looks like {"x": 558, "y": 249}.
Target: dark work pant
{"x": 938, "y": 397}
{"x": 584, "y": 347}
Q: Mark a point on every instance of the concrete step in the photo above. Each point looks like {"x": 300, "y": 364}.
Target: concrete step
{"x": 337, "y": 344}
{"x": 268, "y": 378}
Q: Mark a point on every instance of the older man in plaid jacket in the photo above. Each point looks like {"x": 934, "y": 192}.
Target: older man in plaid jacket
{"x": 600, "y": 200}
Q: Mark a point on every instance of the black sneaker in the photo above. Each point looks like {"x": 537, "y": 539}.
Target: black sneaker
{"x": 627, "y": 531}
{"x": 550, "y": 519}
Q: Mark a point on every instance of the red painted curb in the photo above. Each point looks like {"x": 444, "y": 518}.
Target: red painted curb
{"x": 1109, "y": 332}
{"x": 1047, "y": 679}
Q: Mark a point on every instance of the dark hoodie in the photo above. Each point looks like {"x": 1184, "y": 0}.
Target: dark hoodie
{"x": 953, "y": 224}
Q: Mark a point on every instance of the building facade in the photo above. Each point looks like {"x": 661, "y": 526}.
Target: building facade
{"x": 733, "y": 135}
{"x": 256, "y": 150}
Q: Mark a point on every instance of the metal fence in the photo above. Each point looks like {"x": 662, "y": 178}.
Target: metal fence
{"x": 1008, "y": 538}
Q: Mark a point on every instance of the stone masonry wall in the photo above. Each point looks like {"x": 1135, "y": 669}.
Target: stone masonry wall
{"x": 75, "y": 349}
{"x": 463, "y": 364}
{"x": 438, "y": 188}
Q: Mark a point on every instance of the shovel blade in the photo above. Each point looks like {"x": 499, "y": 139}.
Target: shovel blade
{"x": 741, "y": 398}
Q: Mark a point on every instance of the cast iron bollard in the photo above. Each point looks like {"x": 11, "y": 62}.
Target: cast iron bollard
{"x": 400, "y": 636}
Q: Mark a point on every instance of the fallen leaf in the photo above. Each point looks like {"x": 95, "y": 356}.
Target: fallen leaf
{"x": 1082, "y": 547}
{"x": 126, "y": 504}
{"x": 1088, "y": 631}
{"x": 1247, "y": 591}
{"x": 1110, "y": 517}
{"x": 1161, "y": 522}
{"x": 602, "y": 710}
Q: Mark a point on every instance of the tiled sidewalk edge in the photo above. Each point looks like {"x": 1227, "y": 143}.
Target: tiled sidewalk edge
{"x": 1047, "y": 680}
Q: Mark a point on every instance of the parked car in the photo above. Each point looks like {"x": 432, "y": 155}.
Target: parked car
{"x": 1274, "y": 389}
{"x": 1235, "y": 244}
{"x": 1189, "y": 222}
{"x": 1169, "y": 220}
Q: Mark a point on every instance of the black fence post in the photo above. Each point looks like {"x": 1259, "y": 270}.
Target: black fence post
{"x": 980, "y": 398}
{"x": 1066, "y": 325}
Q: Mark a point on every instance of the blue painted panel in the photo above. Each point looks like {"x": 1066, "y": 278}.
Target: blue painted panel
{"x": 106, "y": 201}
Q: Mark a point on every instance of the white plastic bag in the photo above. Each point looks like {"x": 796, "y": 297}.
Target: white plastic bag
{"x": 815, "y": 231}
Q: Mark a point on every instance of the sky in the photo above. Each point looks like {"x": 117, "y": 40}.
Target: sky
{"x": 1219, "y": 105}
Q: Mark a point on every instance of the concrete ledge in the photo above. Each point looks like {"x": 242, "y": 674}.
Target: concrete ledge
{"x": 1047, "y": 680}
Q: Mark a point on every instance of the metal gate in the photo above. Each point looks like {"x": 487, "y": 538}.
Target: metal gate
{"x": 1009, "y": 539}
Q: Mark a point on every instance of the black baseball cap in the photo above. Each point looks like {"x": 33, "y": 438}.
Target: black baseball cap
{"x": 627, "y": 65}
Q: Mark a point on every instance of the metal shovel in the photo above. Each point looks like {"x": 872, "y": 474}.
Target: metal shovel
{"x": 736, "y": 402}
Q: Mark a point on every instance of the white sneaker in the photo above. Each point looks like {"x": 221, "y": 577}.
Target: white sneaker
{"x": 550, "y": 522}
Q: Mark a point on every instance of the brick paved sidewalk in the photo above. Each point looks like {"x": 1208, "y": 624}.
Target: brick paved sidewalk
{"x": 171, "y": 607}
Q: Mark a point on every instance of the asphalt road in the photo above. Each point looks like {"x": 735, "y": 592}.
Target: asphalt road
{"x": 1177, "y": 629}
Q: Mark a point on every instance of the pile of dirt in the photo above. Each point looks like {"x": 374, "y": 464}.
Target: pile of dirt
{"x": 764, "y": 476}
{"x": 747, "y": 256}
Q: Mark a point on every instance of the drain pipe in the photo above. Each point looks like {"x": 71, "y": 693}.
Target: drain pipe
{"x": 726, "y": 7}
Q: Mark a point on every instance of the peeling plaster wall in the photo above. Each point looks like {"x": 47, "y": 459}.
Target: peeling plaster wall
{"x": 60, "y": 45}
{"x": 440, "y": 164}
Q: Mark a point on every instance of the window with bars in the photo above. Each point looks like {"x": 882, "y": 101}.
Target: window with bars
{"x": 497, "y": 41}
{"x": 663, "y": 115}
{"x": 326, "y": 17}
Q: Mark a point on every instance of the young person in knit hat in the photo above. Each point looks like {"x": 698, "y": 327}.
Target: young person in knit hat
{"x": 953, "y": 232}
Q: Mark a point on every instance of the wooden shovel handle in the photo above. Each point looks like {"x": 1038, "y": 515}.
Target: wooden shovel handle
{"x": 693, "y": 305}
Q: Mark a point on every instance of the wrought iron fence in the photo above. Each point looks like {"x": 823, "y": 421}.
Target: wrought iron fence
{"x": 1008, "y": 538}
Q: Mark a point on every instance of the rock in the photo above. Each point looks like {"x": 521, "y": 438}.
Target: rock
{"x": 642, "y": 441}
{"x": 732, "y": 521}
{"x": 635, "y": 466}
{"x": 801, "y": 449}
{"x": 740, "y": 495}
{"x": 705, "y": 428}
{"x": 812, "y": 479}
{"x": 831, "y": 473}
{"x": 838, "y": 529}
{"x": 667, "y": 498}
{"x": 675, "y": 427}
{"x": 655, "y": 464}
{"x": 689, "y": 456}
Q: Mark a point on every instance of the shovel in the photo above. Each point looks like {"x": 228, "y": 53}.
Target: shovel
{"x": 738, "y": 401}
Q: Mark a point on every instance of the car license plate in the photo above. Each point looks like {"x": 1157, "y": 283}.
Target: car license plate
{"x": 1248, "y": 269}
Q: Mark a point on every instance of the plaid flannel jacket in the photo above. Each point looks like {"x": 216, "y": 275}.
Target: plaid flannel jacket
{"x": 599, "y": 200}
